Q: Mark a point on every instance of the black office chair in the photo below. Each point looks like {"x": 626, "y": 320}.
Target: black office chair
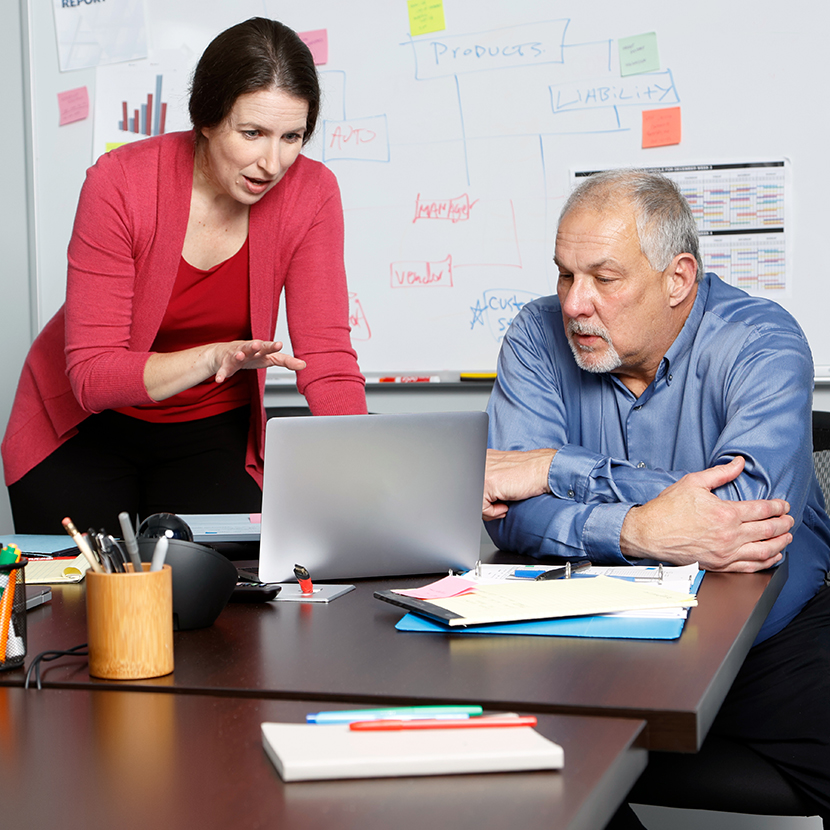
{"x": 821, "y": 451}
{"x": 724, "y": 776}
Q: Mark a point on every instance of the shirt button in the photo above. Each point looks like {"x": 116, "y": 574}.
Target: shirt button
{"x": 570, "y": 494}
{"x": 641, "y": 465}
{"x": 638, "y": 407}
{"x": 671, "y": 377}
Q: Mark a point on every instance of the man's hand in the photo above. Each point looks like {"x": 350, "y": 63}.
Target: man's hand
{"x": 512, "y": 475}
{"x": 687, "y": 523}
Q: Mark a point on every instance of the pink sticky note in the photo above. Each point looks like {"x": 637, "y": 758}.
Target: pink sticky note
{"x": 255, "y": 518}
{"x": 318, "y": 42}
{"x": 449, "y": 586}
{"x": 661, "y": 127}
{"x": 73, "y": 105}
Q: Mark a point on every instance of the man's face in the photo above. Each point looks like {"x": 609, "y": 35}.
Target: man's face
{"x": 615, "y": 306}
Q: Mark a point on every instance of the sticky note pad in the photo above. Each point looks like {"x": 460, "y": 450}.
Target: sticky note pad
{"x": 661, "y": 127}
{"x": 318, "y": 43}
{"x": 638, "y": 54}
{"x": 73, "y": 105}
{"x": 425, "y": 16}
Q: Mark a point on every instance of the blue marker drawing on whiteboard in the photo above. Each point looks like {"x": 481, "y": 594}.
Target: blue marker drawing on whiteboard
{"x": 497, "y": 307}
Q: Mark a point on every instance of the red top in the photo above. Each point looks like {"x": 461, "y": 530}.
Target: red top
{"x": 206, "y": 307}
{"x": 123, "y": 260}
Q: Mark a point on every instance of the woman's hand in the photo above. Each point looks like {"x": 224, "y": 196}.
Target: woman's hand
{"x": 252, "y": 354}
{"x": 167, "y": 374}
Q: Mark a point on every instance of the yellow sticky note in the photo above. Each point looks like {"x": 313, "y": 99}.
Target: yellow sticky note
{"x": 425, "y": 16}
{"x": 661, "y": 127}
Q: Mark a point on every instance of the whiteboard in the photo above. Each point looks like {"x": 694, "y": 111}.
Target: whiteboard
{"x": 454, "y": 154}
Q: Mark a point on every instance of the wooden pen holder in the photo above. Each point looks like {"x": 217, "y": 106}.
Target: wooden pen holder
{"x": 129, "y": 621}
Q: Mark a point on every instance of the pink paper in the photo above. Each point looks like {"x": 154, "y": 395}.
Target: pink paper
{"x": 73, "y": 105}
{"x": 449, "y": 586}
{"x": 318, "y": 42}
{"x": 255, "y": 518}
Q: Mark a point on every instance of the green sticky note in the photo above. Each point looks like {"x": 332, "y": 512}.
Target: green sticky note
{"x": 425, "y": 16}
{"x": 638, "y": 54}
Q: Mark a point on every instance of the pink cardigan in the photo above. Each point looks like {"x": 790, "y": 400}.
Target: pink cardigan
{"x": 123, "y": 259}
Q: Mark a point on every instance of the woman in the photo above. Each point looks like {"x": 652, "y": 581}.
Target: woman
{"x": 181, "y": 247}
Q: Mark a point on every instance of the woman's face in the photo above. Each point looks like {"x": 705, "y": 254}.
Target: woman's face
{"x": 251, "y": 150}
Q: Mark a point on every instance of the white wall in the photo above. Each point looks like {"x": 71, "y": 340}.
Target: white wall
{"x": 15, "y": 325}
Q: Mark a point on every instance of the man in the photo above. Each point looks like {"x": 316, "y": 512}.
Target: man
{"x": 651, "y": 411}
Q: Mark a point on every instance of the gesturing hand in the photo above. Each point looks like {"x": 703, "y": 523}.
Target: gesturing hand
{"x": 688, "y": 523}
{"x": 229, "y": 358}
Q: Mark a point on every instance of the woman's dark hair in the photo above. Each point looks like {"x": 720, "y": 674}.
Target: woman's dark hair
{"x": 254, "y": 55}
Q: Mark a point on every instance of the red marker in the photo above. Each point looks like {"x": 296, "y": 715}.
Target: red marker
{"x": 412, "y": 379}
{"x": 468, "y": 723}
{"x": 304, "y": 578}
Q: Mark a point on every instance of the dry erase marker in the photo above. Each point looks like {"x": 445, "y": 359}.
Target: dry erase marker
{"x": 159, "y": 553}
{"x": 130, "y": 541}
{"x": 304, "y": 578}
{"x": 401, "y": 713}
{"x": 411, "y": 379}
{"x": 470, "y": 723}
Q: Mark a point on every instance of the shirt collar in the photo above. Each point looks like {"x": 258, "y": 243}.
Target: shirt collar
{"x": 683, "y": 342}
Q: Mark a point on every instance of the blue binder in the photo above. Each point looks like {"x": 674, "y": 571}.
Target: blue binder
{"x": 604, "y": 626}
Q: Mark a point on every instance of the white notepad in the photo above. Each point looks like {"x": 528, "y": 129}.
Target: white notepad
{"x": 312, "y": 752}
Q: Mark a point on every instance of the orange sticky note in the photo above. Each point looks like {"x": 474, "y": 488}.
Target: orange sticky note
{"x": 318, "y": 43}
{"x": 661, "y": 127}
{"x": 73, "y": 105}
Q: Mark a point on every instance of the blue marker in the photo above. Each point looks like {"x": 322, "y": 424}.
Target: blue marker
{"x": 403, "y": 713}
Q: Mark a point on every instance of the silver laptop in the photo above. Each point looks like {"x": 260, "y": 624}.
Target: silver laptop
{"x": 372, "y": 495}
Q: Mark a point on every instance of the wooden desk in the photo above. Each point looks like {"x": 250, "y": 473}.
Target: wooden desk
{"x": 77, "y": 759}
{"x": 350, "y": 651}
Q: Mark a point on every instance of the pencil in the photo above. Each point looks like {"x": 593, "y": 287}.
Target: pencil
{"x": 83, "y": 547}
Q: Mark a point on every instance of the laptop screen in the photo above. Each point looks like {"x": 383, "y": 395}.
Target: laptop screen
{"x": 372, "y": 495}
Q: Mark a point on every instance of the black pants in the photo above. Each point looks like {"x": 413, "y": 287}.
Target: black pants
{"x": 118, "y": 463}
{"x": 776, "y": 715}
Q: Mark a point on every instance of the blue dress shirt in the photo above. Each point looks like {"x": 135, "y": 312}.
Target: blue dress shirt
{"x": 737, "y": 380}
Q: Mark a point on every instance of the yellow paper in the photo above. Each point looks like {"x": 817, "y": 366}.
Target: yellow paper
{"x": 52, "y": 571}
{"x": 577, "y": 597}
{"x": 425, "y": 16}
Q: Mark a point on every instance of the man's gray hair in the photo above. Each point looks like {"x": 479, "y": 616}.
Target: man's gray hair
{"x": 665, "y": 224}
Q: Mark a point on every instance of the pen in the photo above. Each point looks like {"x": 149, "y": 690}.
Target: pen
{"x": 565, "y": 572}
{"x": 83, "y": 547}
{"x": 470, "y": 723}
{"x": 159, "y": 553}
{"x": 130, "y": 541}
{"x": 304, "y": 578}
{"x": 402, "y": 713}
